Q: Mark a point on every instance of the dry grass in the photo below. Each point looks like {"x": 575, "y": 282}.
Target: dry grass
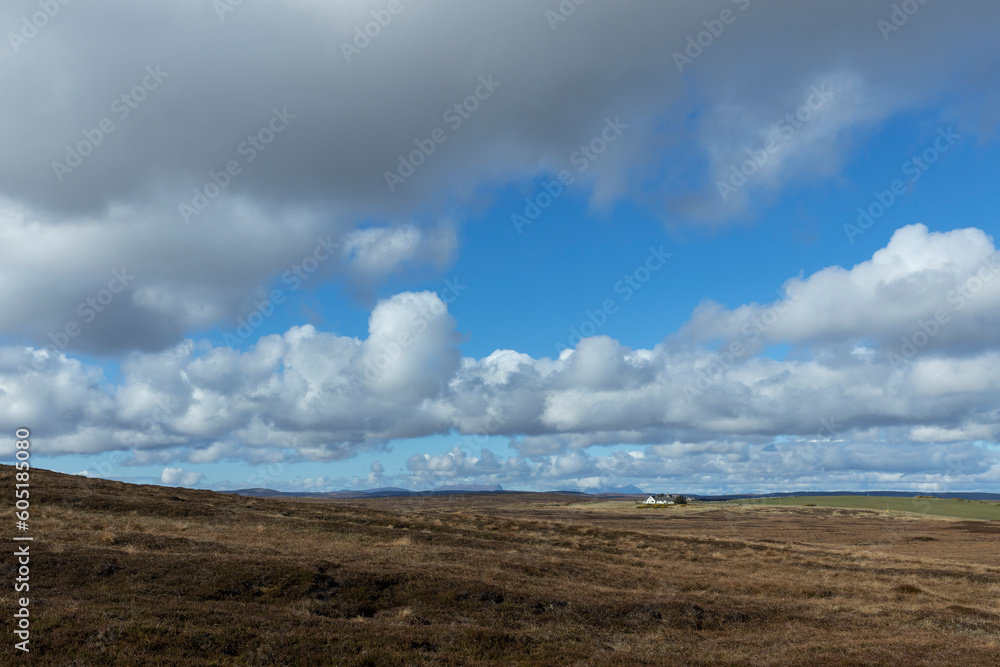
{"x": 146, "y": 575}
{"x": 946, "y": 507}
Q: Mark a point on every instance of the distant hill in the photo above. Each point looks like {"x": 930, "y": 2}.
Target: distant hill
{"x": 625, "y": 490}
{"x": 368, "y": 493}
{"x": 470, "y": 488}
{"x": 622, "y": 492}
{"x": 389, "y": 492}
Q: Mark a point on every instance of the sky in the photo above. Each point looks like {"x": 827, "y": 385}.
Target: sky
{"x": 704, "y": 246}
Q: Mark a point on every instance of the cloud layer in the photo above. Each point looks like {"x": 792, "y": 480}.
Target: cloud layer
{"x": 204, "y": 151}
{"x": 893, "y": 355}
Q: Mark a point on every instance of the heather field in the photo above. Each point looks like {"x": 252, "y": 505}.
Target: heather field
{"x": 144, "y": 575}
{"x": 946, "y": 507}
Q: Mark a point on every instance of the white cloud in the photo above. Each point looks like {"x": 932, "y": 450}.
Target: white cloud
{"x": 178, "y": 477}
{"x": 722, "y": 467}
{"x": 945, "y": 284}
{"x": 314, "y": 395}
{"x": 374, "y": 253}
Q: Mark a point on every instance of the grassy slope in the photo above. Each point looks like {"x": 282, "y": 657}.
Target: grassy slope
{"x": 142, "y": 575}
{"x": 960, "y": 509}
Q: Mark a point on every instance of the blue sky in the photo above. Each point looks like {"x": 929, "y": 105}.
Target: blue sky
{"x": 427, "y": 336}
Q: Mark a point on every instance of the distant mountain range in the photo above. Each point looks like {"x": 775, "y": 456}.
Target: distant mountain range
{"x": 386, "y": 492}
{"x": 627, "y": 492}
{"x": 389, "y": 492}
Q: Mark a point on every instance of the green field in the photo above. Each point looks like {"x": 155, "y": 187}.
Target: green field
{"x": 961, "y": 509}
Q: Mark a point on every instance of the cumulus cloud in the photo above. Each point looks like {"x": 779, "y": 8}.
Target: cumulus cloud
{"x": 178, "y": 477}
{"x": 721, "y": 467}
{"x": 145, "y": 281}
{"x": 922, "y": 406}
{"x": 457, "y": 465}
{"x": 375, "y": 477}
{"x": 374, "y": 253}
{"x": 939, "y": 287}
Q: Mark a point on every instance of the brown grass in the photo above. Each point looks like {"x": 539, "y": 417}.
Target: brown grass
{"x": 142, "y": 575}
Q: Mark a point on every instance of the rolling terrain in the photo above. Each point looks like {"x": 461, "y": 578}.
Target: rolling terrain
{"x": 947, "y": 507}
{"x": 125, "y": 575}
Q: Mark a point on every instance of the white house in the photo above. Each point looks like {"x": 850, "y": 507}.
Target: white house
{"x": 653, "y": 501}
